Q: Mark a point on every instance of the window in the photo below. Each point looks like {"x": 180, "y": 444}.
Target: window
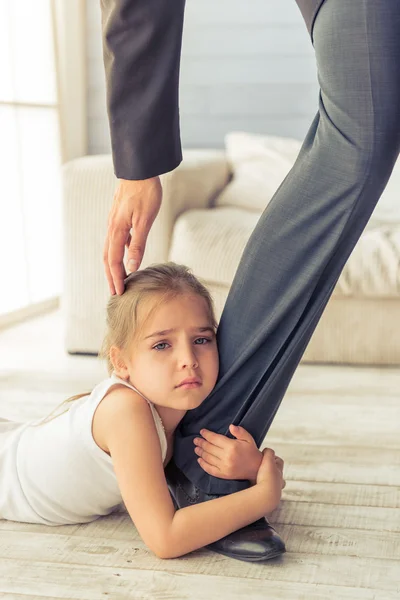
{"x": 30, "y": 156}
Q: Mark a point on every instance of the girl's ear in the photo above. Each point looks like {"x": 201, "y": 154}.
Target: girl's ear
{"x": 118, "y": 363}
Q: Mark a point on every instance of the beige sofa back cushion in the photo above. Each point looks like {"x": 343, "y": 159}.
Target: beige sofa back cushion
{"x": 259, "y": 164}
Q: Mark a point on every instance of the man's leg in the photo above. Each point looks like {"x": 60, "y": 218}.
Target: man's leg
{"x": 303, "y": 239}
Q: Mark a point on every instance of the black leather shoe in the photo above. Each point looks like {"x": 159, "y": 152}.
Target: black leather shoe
{"x": 256, "y": 542}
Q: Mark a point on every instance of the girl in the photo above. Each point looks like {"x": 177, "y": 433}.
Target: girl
{"x": 110, "y": 447}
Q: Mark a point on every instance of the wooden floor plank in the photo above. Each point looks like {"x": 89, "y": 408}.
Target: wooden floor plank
{"x": 336, "y": 426}
{"x": 12, "y": 596}
{"x": 338, "y": 463}
{"x": 100, "y": 549}
{"x": 369, "y": 518}
{"x": 275, "y": 580}
{"x": 385, "y": 496}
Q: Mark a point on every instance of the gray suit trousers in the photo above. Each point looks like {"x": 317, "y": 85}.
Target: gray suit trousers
{"x": 304, "y": 237}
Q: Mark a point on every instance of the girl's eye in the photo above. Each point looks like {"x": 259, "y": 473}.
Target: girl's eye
{"x": 164, "y": 343}
{"x": 160, "y": 344}
{"x": 204, "y": 338}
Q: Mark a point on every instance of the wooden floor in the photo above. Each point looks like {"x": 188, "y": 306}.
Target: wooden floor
{"x": 338, "y": 432}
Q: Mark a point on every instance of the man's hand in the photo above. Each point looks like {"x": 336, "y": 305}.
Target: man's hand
{"x": 226, "y": 458}
{"x": 135, "y": 206}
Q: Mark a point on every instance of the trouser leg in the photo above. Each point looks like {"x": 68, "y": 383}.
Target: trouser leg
{"x": 303, "y": 239}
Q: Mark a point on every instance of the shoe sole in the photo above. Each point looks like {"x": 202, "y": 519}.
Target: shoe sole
{"x": 250, "y": 558}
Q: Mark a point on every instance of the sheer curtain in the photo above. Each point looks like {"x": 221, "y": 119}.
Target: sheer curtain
{"x": 32, "y": 148}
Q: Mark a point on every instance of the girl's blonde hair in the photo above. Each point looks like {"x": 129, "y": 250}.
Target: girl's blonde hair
{"x": 160, "y": 282}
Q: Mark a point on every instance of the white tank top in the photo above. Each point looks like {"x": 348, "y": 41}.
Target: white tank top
{"x": 55, "y": 473}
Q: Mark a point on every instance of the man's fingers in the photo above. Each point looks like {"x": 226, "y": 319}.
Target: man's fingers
{"x": 107, "y": 268}
{"x": 135, "y": 254}
{"x": 117, "y": 239}
{"x": 128, "y": 242}
{"x": 136, "y": 204}
{"x": 137, "y": 244}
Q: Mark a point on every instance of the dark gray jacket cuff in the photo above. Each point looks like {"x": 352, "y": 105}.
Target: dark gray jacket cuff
{"x": 142, "y": 42}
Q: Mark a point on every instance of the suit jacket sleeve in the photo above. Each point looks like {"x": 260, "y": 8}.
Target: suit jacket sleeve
{"x": 142, "y": 42}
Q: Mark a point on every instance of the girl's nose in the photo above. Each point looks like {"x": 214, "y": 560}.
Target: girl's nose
{"x": 190, "y": 362}
{"x": 189, "y": 359}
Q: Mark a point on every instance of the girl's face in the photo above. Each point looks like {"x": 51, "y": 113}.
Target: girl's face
{"x": 159, "y": 362}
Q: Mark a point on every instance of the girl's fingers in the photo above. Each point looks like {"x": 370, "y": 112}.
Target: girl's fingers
{"x": 207, "y": 457}
{"x": 209, "y": 468}
{"x": 215, "y": 439}
{"x": 211, "y": 448}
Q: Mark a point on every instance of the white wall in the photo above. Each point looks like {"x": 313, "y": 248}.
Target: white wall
{"x": 246, "y": 65}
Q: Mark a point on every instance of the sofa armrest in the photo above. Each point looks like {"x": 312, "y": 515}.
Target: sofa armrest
{"x": 194, "y": 184}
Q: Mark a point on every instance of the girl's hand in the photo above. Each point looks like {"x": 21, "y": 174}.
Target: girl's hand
{"x": 271, "y": 470}
{"x": 226, "y": 458}
{"x": 270, "y": 475}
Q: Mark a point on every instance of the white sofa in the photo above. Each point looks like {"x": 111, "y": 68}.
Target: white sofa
{"x": 211, "y": 204}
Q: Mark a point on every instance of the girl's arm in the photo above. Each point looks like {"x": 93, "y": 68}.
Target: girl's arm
{"x": 132, "y": 440}
{"x": 196, "y": 526}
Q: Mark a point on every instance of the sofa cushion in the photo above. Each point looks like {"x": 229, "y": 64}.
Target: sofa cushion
{"x": 259, "y": 164}
{"x": 212, "y": 241}
{"x": 373, "y": 268}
